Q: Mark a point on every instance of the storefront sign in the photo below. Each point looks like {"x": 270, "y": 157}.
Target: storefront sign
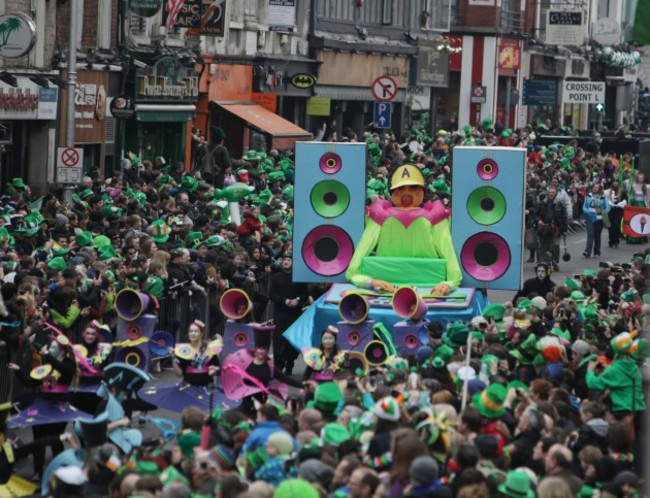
{"x": 304, "y": 81}
{"x": 17, "y": 35}
{"x": 606, "y": 31}
{"x": 282, "y": 15}
{"x": 431, "y": 67}
{"x": 91, "y": 102}
{"x": 230, "y": 82}
{"x": 145, "y": 8}
{"x": 188, "y": 17}
{"x": 543, "y": 65}
{"x": 267, "y": 100}
{"x": 360, "y": 70}
{"x": 565, "y": 27}
{"x": 509, "y": 56}
{"x": 167, "y": 80}
{"x": 122, "y": 107}
{"x": 213, "y": 15}
{"x": 318, "y": 106}
{"x": 28, "y": 101}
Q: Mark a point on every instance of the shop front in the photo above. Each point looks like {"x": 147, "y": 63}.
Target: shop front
{"x": 249, "y": 118}
{"x": 28, "y": 113}
{"x": 165, "y": 93}
{"x": 551, "y": 71}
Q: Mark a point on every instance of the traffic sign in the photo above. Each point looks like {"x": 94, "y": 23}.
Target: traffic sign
{"x": 384, "y": 88}
{"x": 69, "y": 164}
{"x": 583, "y": 92}
{"x": 479, "y": 95}
{"x": 382, "y": 114}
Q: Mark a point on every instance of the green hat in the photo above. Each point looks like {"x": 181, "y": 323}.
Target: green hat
{"x": 214, "y": 241}
{"x": 251, "y": 155}
{"x": 444, "y": 353}
{"x": 288, "y": 192}
{"x": 456, "y": 335}
{"x": 558, "y": 332}
{"x": 187, "y": 442}
{"x": 589, "y": 272}
{"x": 527, "y": 351}
{"x": 491, "y": 401}
{"x": 17, "y": 183}
{"x": 165, "y": 180}
{"x": 326, "y": 398}
{"x": 277, "y": 176}
{"x": 57, "y": 263}
{"x": 496, "y": 311}
{"x": 84, "y": 239}
{"x": 193, "y": 239}
{"x": 506, "y": 133}
{"x": 112, "y": 211}
{"x": 572, "y": 284}
{"x": 440, "y": 186}
{"x": 101, "y": 240}
{"x": 334, "y": 434}
{"x": 107, "y": 252}
{"x": 525, "y": 304}
{"x": 517, "y": 485}
{"x": 517, "y": 384}
{"x": 622, "y": 343}
{"x": 160, "y": 231}
{"x": 147, "y": 467}
{"x": 60, "y": 251}
{"x": 294, "y": 488}
{"x": 189, "y": 183}
{"x": 629, "y": 296}
{"x": 85, "y": 193}
{"x": 4, "y": 234}
{"x": 265, "y": 195}
{"x": 577, "y": 295}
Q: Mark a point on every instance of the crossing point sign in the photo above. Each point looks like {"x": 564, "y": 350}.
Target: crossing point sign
{"x": 583, "y": 92}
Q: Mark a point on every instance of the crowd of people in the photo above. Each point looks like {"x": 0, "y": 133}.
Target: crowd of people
{"x": 550, "y": 403}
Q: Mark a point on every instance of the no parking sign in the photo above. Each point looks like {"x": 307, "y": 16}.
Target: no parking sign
{"x": 69, "y": 164}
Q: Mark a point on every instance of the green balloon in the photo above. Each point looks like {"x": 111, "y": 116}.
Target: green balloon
{"x": 233, "y": 193}
{"x": 486, "y": 205}
{"x": 330, "y": 198}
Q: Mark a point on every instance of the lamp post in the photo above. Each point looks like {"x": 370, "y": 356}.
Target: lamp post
{"x": 72, "y": 87}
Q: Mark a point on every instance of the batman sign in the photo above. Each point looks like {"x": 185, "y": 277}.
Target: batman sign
{"x": 303, "y": 81}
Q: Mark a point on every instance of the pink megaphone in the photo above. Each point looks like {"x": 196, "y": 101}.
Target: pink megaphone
{"x": 408, "y": 304}
{"x": 235, "y": 304}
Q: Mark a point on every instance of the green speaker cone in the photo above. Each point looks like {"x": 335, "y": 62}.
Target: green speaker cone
{"x": 486, "y": 205}
{"x": 330, "y": 198}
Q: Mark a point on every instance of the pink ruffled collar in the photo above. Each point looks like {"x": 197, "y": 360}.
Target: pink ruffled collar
{"x": 381, "y": 210}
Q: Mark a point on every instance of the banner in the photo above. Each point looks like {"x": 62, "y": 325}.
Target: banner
{"x": 642, "y": 23}
{"x": 636, "y": 222}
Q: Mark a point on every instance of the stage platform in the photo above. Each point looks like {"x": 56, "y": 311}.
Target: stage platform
{"x": 463, "y": 304}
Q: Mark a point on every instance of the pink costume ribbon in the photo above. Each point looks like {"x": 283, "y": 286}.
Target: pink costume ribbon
{"x": 239, "y": 372}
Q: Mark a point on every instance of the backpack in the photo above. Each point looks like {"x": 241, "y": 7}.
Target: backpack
{"x": 208, "y": 165}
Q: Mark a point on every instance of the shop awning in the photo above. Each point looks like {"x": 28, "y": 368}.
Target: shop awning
{"x": 266, "y": 121}
{"x": 164, "y": 113}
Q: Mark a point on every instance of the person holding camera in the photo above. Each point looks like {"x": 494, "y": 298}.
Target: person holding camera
{"x": 551, "y": 226}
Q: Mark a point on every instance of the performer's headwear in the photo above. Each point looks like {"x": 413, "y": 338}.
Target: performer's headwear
{"x": 406, "y": 174}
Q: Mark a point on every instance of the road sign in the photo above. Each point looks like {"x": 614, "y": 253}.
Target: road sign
{"x": 384, "y": 88}
{"x": 69, "y": 164}
{"x": 583, "y": 92}
{"x": 540, "y": 92}
{"x": 479, "y": 95}
{"x": 382, "y": 114}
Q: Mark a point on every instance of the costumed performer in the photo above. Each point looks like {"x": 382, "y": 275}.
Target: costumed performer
{"x": 250, "y": 375}
{"x": 412, "y": 244}
{"x": 197, "y": 362}
{"x": 97, "y": 354}
{"x": 323, "y": 362}
{"x": 50, "y": 410}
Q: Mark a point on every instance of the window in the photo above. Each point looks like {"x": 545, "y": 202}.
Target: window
{"x": 387, "y": 12}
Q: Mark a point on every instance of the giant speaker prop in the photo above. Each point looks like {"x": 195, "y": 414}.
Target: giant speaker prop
{"x": 329, "y": 205}
{"x": 487, "y": 225}
{"x": 235, "y": 305}
{"x": 134, "y": 329}
{"x": 411, "y": 333}
{"x": 355, "y": 331}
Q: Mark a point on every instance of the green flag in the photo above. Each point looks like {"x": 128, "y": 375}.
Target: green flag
{"x": 36, "y": 205}
{"x": 642, "y": 23}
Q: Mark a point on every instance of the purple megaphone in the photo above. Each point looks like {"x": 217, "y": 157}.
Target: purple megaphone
{"x": 353, "y": 308}
{"x": 408, "y": 304}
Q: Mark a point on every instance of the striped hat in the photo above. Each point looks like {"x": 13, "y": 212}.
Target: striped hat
{"x": 387, "y": 409}
{"x": 222, "y": 457}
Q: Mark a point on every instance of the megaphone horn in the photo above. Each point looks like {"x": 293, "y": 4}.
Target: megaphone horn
{"x": 235, "y": 304}
{"x": 357, "y": 360}
{"x": 353, "y": 308}
{"x": 408, "y": 304}
{"x": 376, "y": 353}
{"x": 130, "y": 304}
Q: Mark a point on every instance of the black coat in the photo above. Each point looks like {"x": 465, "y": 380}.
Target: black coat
{"x": 535, "y": 286}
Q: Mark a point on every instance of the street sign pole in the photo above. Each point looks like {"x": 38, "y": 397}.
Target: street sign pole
{"x": 72, "y": 87}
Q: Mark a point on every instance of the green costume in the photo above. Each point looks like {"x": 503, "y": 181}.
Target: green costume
{"x": 412, "y": 247}
{"x": 623, "y": 380}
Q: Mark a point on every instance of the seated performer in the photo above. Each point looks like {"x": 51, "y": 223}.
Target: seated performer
{"x": 411, "y": 244}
